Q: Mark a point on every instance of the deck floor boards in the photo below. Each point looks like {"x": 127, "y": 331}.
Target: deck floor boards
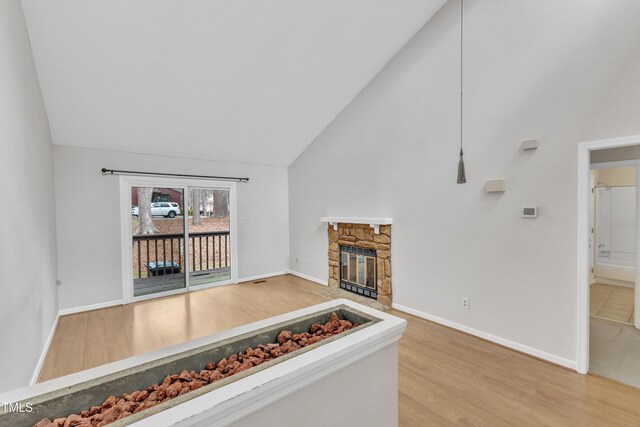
{"x": 169, "y": 282}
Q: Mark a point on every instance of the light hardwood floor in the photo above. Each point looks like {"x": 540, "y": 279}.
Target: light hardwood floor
{"x": 446, "y": 377}
{"x": 612, "y": 302}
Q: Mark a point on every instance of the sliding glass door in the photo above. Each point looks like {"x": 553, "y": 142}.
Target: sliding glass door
{"x": 176, "y": 236}
{"x": 209, "y": 236}
{"x": 157, "y": 233}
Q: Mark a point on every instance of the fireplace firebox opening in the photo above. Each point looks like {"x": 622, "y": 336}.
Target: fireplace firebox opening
{"x": 358, "y": 271}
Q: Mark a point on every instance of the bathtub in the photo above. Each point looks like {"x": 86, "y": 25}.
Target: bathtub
{"x": 616, "y": 266}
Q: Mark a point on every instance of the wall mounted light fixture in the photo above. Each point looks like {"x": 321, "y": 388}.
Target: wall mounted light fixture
{"x": 496, "y": 185}
{"x": 530, "y": 144}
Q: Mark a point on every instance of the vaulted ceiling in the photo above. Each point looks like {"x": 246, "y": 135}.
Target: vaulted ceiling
{"x": 234, "y": 80}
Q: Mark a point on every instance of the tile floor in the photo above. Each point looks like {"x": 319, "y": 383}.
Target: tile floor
{"x": 614, "y": 351}
{"x": 612, "y": 303}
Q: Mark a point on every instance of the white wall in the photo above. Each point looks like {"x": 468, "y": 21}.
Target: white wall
{"x": 624, "y": 176}
{"x": 532, "y": 70}
{"x": 88, "y": 220}
{"x": 376, "y": 396}
{"x": 27, "y": 230}
{"x": 620, "y": 108}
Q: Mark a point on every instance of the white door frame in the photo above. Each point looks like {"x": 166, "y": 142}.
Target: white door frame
{"x": 592, "y": 227}
{"x": 584, "y": 168}
{"x": 128, "y": 181}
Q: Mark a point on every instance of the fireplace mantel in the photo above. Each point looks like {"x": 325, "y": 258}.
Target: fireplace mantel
{"x": 375, "y": 223}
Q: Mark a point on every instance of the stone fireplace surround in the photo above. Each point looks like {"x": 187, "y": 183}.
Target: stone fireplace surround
{"x": 363, "y": 236}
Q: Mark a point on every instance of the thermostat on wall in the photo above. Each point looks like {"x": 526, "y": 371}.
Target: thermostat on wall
{"x": 529, "y": 211}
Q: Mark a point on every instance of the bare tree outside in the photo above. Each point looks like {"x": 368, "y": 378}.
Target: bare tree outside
{"x": 195, "y": 207}
{"x": 204, "y": 195}
{"x": 220, "y": 203}
{"x": 145, "y": 222}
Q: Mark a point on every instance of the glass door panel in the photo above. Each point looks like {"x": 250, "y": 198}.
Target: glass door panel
{"x": 371, "y": 273}
{"x": 209, "y": 236}
{"x": 157, "y": 232}
{"x": 344, "y": 264}
{"x": 353, "y": 267}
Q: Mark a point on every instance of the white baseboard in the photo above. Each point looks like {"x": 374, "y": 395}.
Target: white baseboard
{"x": 614, "y": 282}
{"x": 261, "y": 276}
{"x": 73, "y": 310}
{"x": 309, "y": 278}
{"x": 45, "y": 350}
{"x": 489, "y": 337}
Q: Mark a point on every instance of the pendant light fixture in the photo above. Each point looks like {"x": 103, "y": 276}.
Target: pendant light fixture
{"x": 462, "y": 177}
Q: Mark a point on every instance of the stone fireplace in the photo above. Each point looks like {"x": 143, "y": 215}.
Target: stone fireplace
{"x": 360, "y": 259}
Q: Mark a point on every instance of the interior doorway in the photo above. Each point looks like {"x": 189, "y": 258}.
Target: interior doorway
{"x": 177, "y": 235}
{"x": 614, "y": 250}
{"x": 614, "y": 341}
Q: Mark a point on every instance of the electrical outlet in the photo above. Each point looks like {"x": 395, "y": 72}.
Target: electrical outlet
{"x": 297, "y": 260}
{"x": 308, "y": 261}
{"x": 465, "y": 303}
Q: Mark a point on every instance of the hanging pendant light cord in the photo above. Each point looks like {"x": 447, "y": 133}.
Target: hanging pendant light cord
{"x": 462, "y": 176}
{"x": 461, "y": 66}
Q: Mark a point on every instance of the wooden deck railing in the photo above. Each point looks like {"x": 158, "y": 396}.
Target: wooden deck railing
{"x": 160, "y": 254}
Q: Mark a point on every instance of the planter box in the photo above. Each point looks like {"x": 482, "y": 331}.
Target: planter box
{"x": 360, "y": 365}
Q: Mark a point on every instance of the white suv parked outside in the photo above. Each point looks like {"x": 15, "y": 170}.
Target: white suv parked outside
{"x": 165, "y": 209}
